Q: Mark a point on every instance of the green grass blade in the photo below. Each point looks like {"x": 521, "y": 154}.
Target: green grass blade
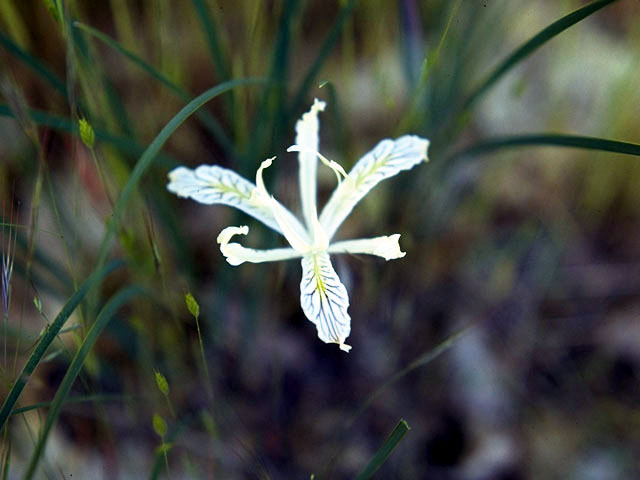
{"x": 326, "y": 48}
{"x": 49, "y": 335}
{"x": 207, "y": 119}
{"x": 213, "y": 41}
{"x": 271, "y": 117}
{"x": 152, "y": 151}
{"x": 64, "y": 124}
{"x": 108, "y": 311}
{"x": 551, "y": 139}
{"x": 422, "y": 360}
{"x": 110, "y": 42}
{"x": 84, "y": 399}
{"x": 385, "y": 450}
{"x": 532, "y": 45}
{"x": 34, "y": 64}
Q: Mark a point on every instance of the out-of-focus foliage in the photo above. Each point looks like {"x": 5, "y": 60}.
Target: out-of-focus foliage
{"x": 528, "y": 255}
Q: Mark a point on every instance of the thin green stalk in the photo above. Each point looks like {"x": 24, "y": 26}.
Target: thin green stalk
{"x": 398, "y": 433}
{"x": 105, "y": 316}
{"x": 49, "y": 336}
{"x": 85, "y": 399}
{"x": 421, "y": 361}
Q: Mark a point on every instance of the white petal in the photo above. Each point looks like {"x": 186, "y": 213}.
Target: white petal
{"x": 307, "y": 141}
{"x": 288, "y": 224}
{"x": 387, "y": 159}
{"x": 236, "y": 254}
{"x": 290, "y": 227}
{"x": 211, "y": 184}
{"x": 324, "y": 299}
{"x": 386, "y": 247}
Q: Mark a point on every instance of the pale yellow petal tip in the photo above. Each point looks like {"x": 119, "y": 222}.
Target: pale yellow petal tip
{"x": 227, "y": 233}
{"x": 389, "y": 247}
{"x": 318, "y": 105}
{"x": 345, "y": 348}
{"x": 233, "y": 252}
{"x": 426, "y": 149}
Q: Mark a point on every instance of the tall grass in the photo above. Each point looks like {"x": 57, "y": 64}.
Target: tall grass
{"x": 103, "y": 249}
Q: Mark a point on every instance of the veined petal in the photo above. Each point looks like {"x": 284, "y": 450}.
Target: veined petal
{"x": 307, "y": 141}
{"x": 211, "y": 184}
{"x": 386, "y": 247}
{"x": 236, "y": 254}
{"x": 387, "y": 159}
{"x": 324, "y": 299}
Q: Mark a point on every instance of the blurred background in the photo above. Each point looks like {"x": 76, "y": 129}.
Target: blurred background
{"x": 508, "y": 338}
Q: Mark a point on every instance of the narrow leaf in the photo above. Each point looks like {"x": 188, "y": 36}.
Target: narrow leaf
{"x": 105, "y": 316}
{"x": 153, "y": 150}
{"x": 532, "y": 45}
{"x": 326, "y": 48}
{"x": 207, "y": 119}
{"x": 550, "y": 139}
{"x": 49, "y": 335}
{"x": 385, "y": 450}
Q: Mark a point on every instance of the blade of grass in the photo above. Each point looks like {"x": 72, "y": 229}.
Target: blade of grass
{"x": 6, "y": 459}
{"x": 33, "y": 64}
{"x": 327, "y": 46}
{"x": 271, "y": 115}
{"x": 151, "y": 153}
{"x": 50, "y": 334}
{"x": 549, "y": 139}
{"x": 385, "y": 450}
{"x": 420, "y": 361}
{"x": 429, "y": 63}
{"x": 63, "y": 124}
{"x": 213, "y": 40}
{"x": 207, "y": 119}
{"x": 105, "y": 316}
{"x": 84, "y": 399}
{"x": 532, "y": 45}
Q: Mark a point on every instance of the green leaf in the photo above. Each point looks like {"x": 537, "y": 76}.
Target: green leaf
{"x": 152, "y": 152}
{"x": 84, "y": 399}
{"x": 532, "y": 45}
{"x": 550, "y": 139}
{"x": 192, "y": 305}
{"x": 50, "y": 334}
{"x": 105, "y": 316}
{"x": 213, "y": 41}
{"x": 326, "y": 48}
{"x": 384, "y": 451}
{"x": 207, "y": 119}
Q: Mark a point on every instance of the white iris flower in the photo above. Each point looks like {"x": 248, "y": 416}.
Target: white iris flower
{"x": 323, "y": 297}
